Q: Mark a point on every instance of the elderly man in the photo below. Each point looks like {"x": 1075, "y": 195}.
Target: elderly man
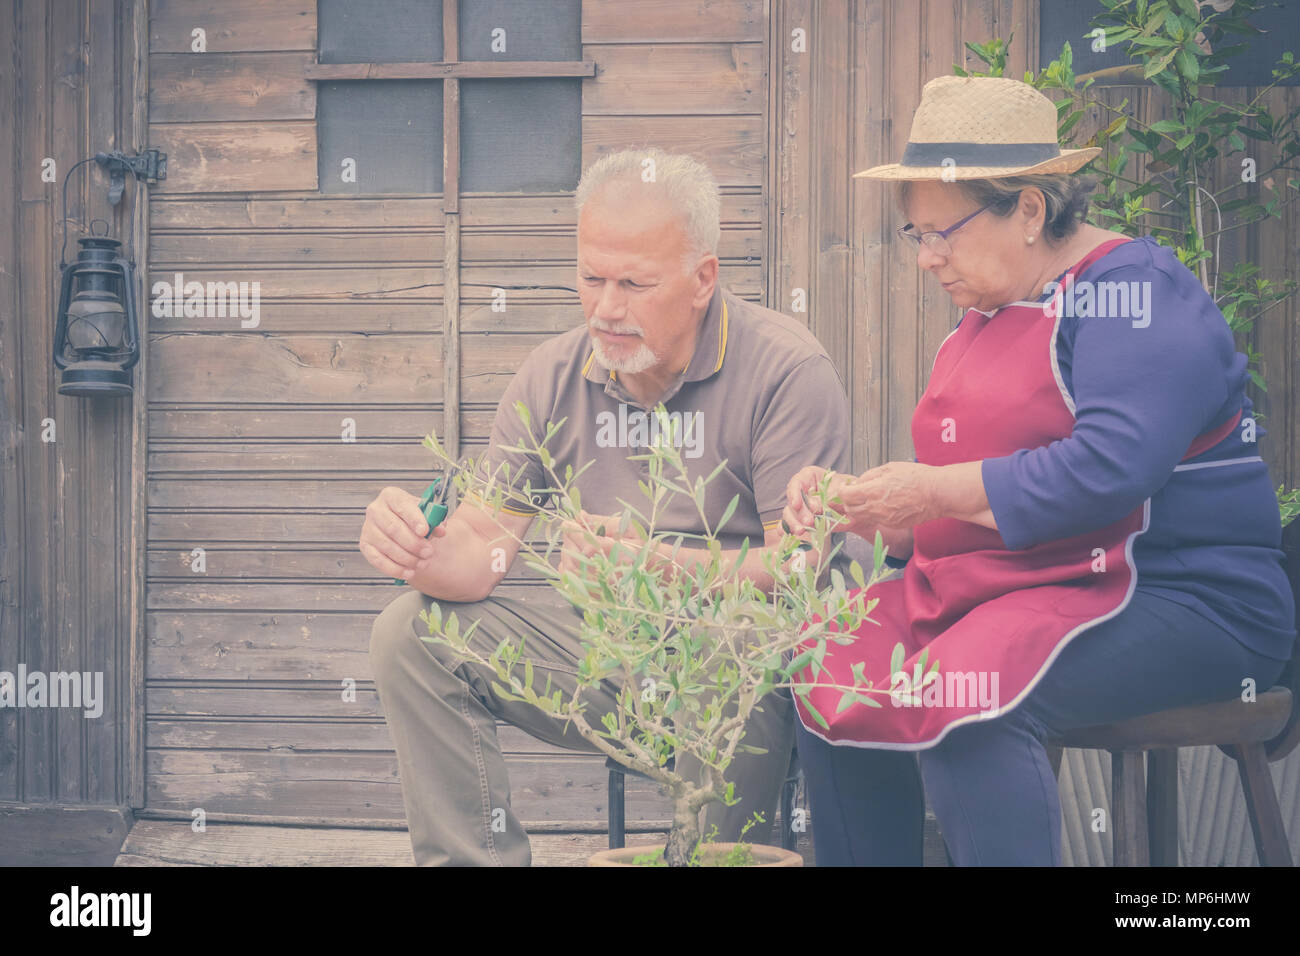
{"x": 759, "y": 392}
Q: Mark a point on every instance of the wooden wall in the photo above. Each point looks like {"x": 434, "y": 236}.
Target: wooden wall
{"x": 66, "y": 534}
{"x": 245, "y": 712}
{"x": 845, "y": 105}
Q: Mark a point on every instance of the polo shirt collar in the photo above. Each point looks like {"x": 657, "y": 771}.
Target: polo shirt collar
{"x": 710, "y": 347}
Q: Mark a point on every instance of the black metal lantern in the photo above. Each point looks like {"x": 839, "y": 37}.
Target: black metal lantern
{"x": 95, "y": 340}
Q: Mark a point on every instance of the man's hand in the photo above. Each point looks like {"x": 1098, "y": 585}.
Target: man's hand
{"x": 594, "y": 534}
{"x": 392, "y": 538}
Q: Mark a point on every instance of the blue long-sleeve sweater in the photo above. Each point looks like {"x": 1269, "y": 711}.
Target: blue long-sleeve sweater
{"x": 1142, "y": 390}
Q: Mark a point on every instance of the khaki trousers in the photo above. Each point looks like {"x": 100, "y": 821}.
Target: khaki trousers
{"x": 442, "y": 714}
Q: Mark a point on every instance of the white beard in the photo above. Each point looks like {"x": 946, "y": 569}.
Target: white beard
{"x": 640, "y": 360}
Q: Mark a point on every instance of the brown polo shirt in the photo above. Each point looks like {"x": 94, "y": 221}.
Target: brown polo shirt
{"x": 759, "y": 397}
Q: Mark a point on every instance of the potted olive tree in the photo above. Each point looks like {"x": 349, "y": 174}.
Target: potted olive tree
{"x": 693, "y": 648}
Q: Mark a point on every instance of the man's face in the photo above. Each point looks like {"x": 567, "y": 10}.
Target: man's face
{"x": 638, "y": 300}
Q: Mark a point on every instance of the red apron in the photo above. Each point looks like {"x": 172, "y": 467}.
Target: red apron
{"x": 994, "y": 619}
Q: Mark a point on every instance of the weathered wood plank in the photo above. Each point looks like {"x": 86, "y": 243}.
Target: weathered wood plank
{"x": 187, "y": 526}
{"x": 225, "y": 563}
{"x": 543, "y": 281}
{"x": 297, "y": 368}
{"x": 213, "y": 645}
{"x": 233, "y": 25}
{"x": 371, "y": 597}
{"x": 185, "y": 88}
{"x": 733, "y": 147}
{"x": 739, "y": 205}
{"x": 650, "y": 79}
{"x": 275, "y": 704}
{"x": 314, "y": 567}
{"x": 236, "y": 157}
{"x": 302, "y": 525}
{"x": 12, "y": 466}
{"x": 139, "y": 503}
{"x": 791, "y": 160}
{"x": 262, "y": 368}
{"x": 873, "y": 214}
{"x": 297, "y": 247}
{"x": 133, "y": 859}
{"x": 246, "y": 493}
{"x": 905, "y": 369}
{"x": 173, "y": 843}
{"x": 687, "y": 21}
{"x": 311, "y": 732}
{"x": 451, "y": 72}
{"x": 335, "y": 457}
{"x": 215, "y": 641}
{"x": 367, "y": 785}
{"x": 394, "y": 423}
{"x": 38, "y": 602}
{"x": 831, "y": 283}
{"x": 61, "y": 836}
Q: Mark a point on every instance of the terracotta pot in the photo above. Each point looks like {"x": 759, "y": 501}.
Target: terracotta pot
{"x": 763, "y": 855}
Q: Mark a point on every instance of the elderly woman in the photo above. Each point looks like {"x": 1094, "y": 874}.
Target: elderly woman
{"x": 1089, "y": 529}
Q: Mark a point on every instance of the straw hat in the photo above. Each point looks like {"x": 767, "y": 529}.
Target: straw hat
{"x": 986, "y": 127}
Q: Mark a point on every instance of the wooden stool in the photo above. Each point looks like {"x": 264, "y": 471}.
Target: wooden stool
{"x": 1144, "y": 794}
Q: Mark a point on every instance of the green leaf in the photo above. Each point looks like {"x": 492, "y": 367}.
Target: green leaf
{"x": 897, "y": 658}
{"x": 1155, "y": 66}
{"x": 728, "y": 512}
{"x": 816, "y": 715}
{"x": 524, "y": 415}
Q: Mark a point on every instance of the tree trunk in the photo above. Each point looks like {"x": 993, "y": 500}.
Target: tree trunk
{"x": 683, "y": 836}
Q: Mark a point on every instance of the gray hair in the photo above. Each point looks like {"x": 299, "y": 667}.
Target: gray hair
{"x": 1065, "y": 197}
{"x": 685, "y": 182}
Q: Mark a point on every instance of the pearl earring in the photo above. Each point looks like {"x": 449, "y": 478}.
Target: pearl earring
{"x": 1029, "y": 239}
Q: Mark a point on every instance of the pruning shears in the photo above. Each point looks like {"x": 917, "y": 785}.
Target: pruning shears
{"x": 433, "y": 505}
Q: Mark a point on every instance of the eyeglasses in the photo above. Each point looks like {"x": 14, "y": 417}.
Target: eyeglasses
{"x": 937, "y": 242}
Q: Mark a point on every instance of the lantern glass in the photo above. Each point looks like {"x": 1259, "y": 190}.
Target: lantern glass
{"x": 95, "y": 343}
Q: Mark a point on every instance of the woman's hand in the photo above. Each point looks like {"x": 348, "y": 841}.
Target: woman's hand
{"x": 890, "y": 499}
{"x": 897, "y": 494}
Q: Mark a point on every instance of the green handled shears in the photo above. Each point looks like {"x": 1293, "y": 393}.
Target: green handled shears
{"x": 433, "y": 505}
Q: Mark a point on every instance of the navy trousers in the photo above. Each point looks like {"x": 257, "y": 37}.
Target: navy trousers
{"x": 989, "y": 782}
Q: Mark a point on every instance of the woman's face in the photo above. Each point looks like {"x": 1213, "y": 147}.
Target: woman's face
{"x": 990, "y": 264}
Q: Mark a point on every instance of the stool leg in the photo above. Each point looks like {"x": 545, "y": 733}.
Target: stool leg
{"x": 617, "y": 810}
{"x": 1261, "y": 804}
{"x": 788, "y": 836}
{"x": 1162, "y": 806}
{"x": 1129, "y": 809}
